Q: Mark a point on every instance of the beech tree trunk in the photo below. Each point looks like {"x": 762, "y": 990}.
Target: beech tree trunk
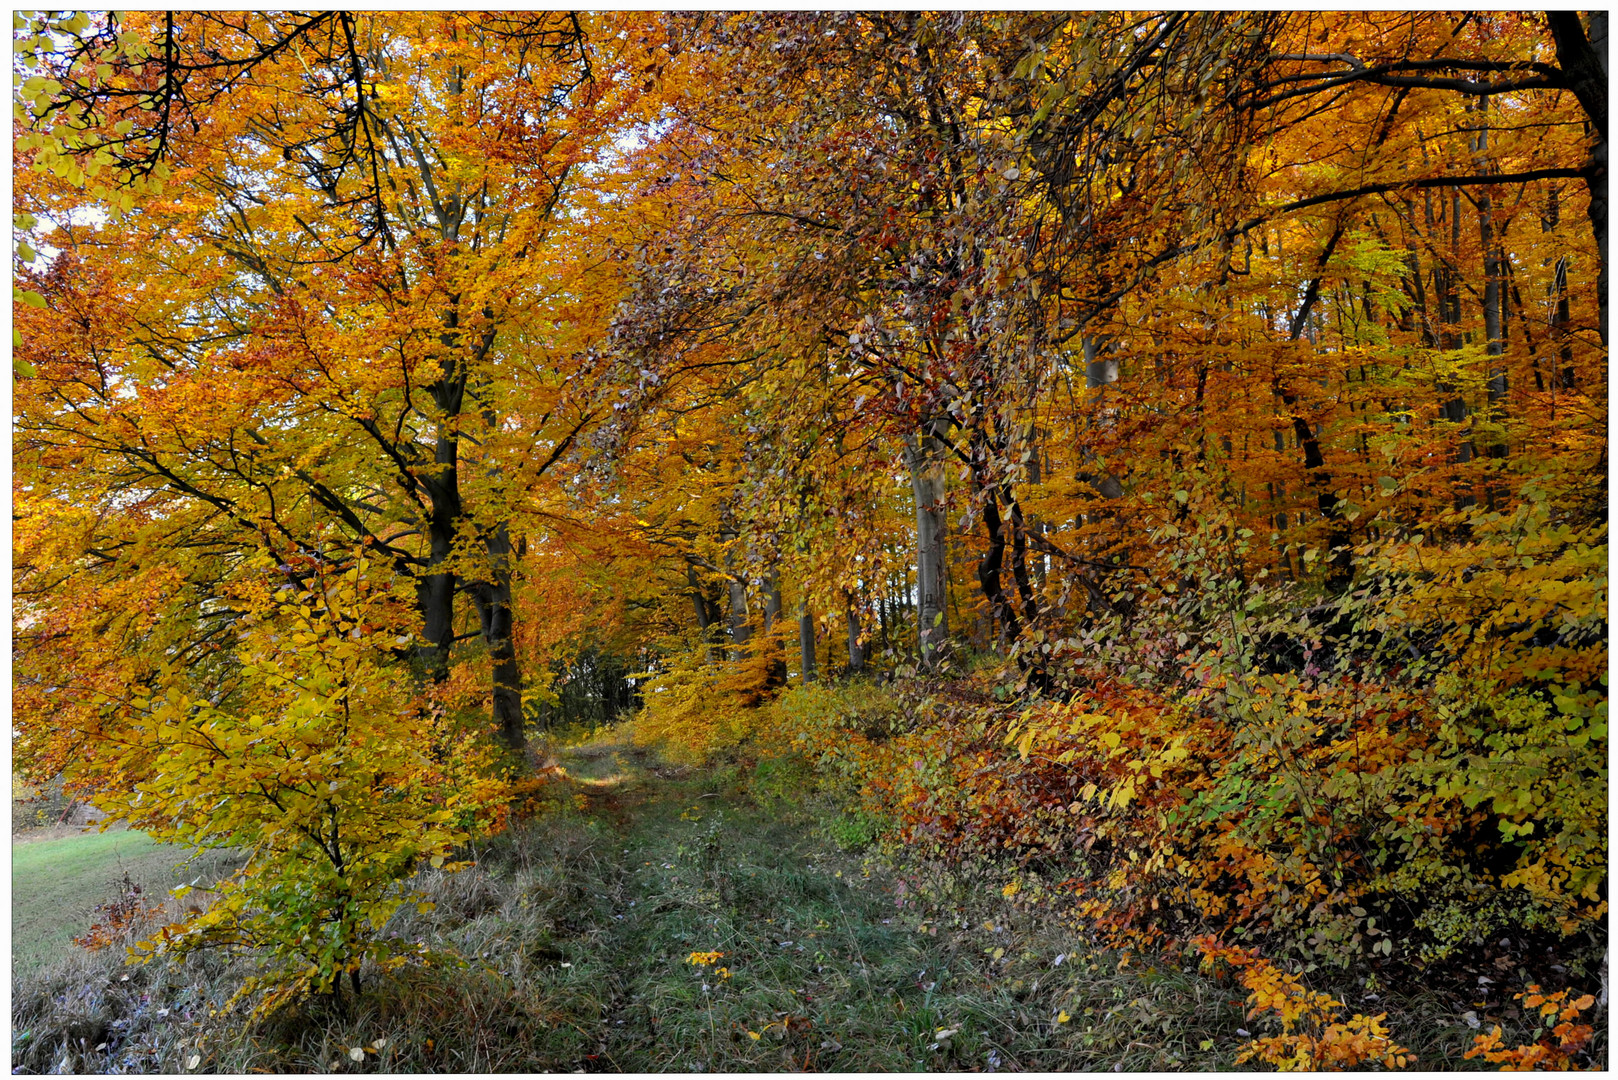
{"x": 1583, "y": 57}
{"x": 772, "y": 603}
{"x": 1099, "y": 371}
{"x": 806, "y": 642}
{"x": 493, "y": 599}
{"x": 1001, "y": 615}
{"x": 856, "y": 651}
{"x": 435, "y": 590}
{"x": 924, "y": 456}
{"x": 739, "y": 630}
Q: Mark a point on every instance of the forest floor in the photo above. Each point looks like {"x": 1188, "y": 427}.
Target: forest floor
{"x": 670, "y": 919}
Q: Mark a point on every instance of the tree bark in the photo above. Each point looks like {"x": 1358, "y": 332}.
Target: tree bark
{"x": 1583, "y": 58}
{"x": 856, "y": 651}
{"x": 739, "y": 630}
{"x": 1340, "y": 565}
{"x": 699, "y": 603}
{"x": 924, "y": 456}
{"x": 1494, "y": 302}
{"x": 772, "y": 602}
{"x": 1100, "y": 370}
{"x": 494, "y": 612}
{"x": 777, "y": 671}
{"x": 806, "y": 642}
{"x": 989, "y": 566}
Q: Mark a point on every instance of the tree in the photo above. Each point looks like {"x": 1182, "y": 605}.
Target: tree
{"x": 358, "y": 211}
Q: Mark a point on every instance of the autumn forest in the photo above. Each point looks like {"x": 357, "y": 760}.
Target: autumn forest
{"x": 1146, "y": 471}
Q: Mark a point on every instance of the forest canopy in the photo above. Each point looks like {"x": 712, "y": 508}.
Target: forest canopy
{"x": 1162, "y": 452}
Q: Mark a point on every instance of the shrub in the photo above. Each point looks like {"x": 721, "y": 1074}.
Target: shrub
{"x": 700, "y": 703}
{"x": 1393, "y": 774}
{"x": 316, "y": 763}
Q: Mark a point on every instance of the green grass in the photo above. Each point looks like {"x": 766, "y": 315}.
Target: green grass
{"x": 56, "y": 884}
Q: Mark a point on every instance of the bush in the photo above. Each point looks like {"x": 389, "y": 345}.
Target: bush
{"x": 321, "y": 763}
{"x": 1402, "y": 773}
{"x": 701, "y": 704}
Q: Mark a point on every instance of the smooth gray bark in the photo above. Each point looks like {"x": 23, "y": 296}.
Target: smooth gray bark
{"x": 806, "y": 642}
{"x": 924, "y": 456}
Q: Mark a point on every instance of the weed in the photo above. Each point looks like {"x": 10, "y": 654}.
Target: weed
{"x": 854, "y": 831}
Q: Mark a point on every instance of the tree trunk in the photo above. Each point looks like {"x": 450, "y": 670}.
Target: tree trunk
{"x": 989, "y": 565}
{"x": 494, "y": 612}
{"x": 777, "y": 670}
{"x": 806, "y": 642}
{"x": 1099, "y": 371}
{"x": 1562, "y": 377}
{"x": 856, "y": 651}
{"x": 1340, "y": 565}
{"x": 739, "y": 630}
{"x": 737, "y": 618}
{"x": 1019, "y": 559}
{"x": 1583, "y": 57}
{"x": 924, "y": 456}
{"x": 435, "y": 590}
{"x": 1494, "y": 304}
{"x": 772, "y": 602}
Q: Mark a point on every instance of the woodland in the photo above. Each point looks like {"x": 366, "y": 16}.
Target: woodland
{"x": 1148, "y": 469}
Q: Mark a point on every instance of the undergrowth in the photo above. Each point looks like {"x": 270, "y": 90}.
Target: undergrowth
{"x": 697, "y": 920}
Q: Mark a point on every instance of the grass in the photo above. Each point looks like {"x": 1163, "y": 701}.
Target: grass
{"x": 576, "y": 934}
{"x": 56, "y": 884}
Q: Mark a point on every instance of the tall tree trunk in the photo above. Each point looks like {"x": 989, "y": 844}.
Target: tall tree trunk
{"x": 883, "y": 619}
{"x": 1583, "y": 57}
{"x": 856, "y": 651}
{"x": 1003, "y": 618}
{"x": 1100, "y": 370}
{"x": 1340, "y": 564}
{"x": 698, "y": 604}
{"x": 435, "y": 590}
{"x": 1019, "y": 558}
{"x": 1494, "y": 303}
{"x": 1036, "y": 526}
{"x": 494, "y": 612}
{"x": 806, "y": 642}
{"x": 924, "y": 456}
{"x": 772, "y": 602}
{"x": 1561, "y": 309}
{"x": 435, "y": 600}
{"x": 777, "y": 671}
{"x": 739, "y": 629}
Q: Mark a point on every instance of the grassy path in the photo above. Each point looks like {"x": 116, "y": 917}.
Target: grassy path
{"x": 821, "y": 965}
